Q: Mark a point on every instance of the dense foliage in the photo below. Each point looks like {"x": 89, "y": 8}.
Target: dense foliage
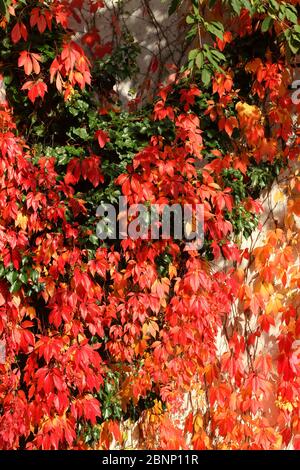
{"x": 99, "y": 332}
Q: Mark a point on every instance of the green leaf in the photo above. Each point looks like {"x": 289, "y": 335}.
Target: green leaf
{"x": 216, "y": 29}
{"x": 206, "y": 76}
{"x": 23, "y": 277}
{"x": 94, "y": 239}
{"x": 294, "y": 49}
{"x": 191, "y": 33}
{"x": 236, "y": 5}
{"x": 219, "y": 55}
{"x": 290, "y": 39}
{"x": 249, "y": 6}
{"x": 190, "y": 19}
{"x": 295, "y": 38}
{"x": 12, "y": 276}
{"x": 15, "y": 286}
{"x": 213, "y": 61}
{"x": 3, "y": 7}
{"x": 291, "y": 14}
{"x": 81, "y": 132}
{"x": 200, "y": 60}
{"x": 266, "y": 24}
{"x": 34, "y": 275}
{"x": 197, "y": 13}
{"x": 193, "y": 54}
{"x": 274, "y": 4}
{"x": 297, "y": 28}
{"x": 106, "y": 413}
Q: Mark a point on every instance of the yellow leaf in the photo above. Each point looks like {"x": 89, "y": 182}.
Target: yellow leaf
{"x": 172, "y": 271}
{"x": 16, "y": 300}
{"x": 157, "y": 408}
{"x": 198, "y": 424}
{"x": 263, "y": 289}
{"x": 150, "y": 328}
{"x": 247, "y": 111}
{"x": 273, "y": 306}
{"x": 278, "y": 196}
{"x": 31, "y": 312}
{"x": 21, "y": 221}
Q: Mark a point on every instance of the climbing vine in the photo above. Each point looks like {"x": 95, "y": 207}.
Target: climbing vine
{"x": 102, "y": 333}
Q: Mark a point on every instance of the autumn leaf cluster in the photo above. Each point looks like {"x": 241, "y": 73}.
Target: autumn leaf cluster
{"x": 99, "y": 333}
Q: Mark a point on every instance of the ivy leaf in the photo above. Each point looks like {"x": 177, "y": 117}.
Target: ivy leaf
{"x": 15, "y": 286}
{"x": 81, "y": 132}
{"x": 293, "y": 39}
{"x": 266, "y": 24}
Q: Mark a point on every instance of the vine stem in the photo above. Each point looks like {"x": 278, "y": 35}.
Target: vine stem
{"x": 200, "y": 36}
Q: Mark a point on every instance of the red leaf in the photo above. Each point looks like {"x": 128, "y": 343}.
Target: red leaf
{"x": 73, "y": 171}
{"x": 297, "y": 442}
{"x": 90, "y": 168}
{"x": 230, "y": 124}
{"x": 35, "y": 89}
{"x": 30, "y": 62}
{"x": 19, "y": 31}
{"x": 102, "y": 137}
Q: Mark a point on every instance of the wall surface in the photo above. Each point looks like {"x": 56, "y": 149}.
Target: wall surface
{"x": 159, "y": 37}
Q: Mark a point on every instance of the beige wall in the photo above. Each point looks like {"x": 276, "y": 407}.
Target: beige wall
{"x": 158, "y": 35}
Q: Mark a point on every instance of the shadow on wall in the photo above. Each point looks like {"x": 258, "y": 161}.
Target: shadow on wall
{"x": 160, "y": 40}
